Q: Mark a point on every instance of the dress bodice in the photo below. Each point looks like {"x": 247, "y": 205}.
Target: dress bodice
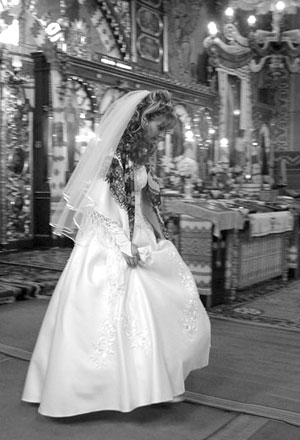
{"x": 140, "y": 181}
{"x": 140, "y": 178}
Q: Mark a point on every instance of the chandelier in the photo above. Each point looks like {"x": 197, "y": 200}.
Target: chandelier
{"x": 260, "y": 33}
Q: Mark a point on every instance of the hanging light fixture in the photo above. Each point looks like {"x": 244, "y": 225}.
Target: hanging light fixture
{"x": 276, "y": 44}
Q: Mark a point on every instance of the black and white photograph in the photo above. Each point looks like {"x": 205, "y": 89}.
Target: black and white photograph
{"x": 149, "y": 220}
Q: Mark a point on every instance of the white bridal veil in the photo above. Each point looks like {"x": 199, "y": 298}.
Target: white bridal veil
{"x": 94, "y": 164}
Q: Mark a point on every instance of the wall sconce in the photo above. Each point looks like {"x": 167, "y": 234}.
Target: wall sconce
{"x": 251, "y": 20}
{"x": 229, "y": 12}
{"x": 189, "y": 135}
{"x": 223, "y": 142}
{"x": 212, "y": 28}
{"x": 16, "y": 63}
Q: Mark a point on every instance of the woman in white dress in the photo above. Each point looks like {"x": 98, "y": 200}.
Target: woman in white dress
{"x": 125, "y": 325}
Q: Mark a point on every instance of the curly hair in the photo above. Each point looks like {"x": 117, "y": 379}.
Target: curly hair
{"x": 134, "y": 143}
{"x": 135, "y": 149}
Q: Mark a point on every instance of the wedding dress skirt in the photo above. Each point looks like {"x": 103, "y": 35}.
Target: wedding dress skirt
{"x": 116, "y": 338}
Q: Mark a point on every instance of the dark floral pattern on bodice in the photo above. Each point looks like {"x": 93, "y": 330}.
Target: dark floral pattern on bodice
{"x": 120, "y": 178}
{"x": 121, "y": 182}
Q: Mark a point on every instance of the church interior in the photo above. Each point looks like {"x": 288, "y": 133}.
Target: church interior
{"x": 229, "y": 173}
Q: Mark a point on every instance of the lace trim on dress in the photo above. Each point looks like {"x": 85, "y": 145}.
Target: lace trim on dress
{"x": 106, "y": 231}
{"x": 103, "y": 347}
{"x": 191, "y": 308}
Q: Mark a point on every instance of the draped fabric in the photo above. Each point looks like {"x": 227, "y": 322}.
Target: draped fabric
{"x": 94, "y": 165}
{"x": 121, "y": 181}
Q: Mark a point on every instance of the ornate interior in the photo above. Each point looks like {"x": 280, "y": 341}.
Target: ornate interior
{"x": 63, "y": 64}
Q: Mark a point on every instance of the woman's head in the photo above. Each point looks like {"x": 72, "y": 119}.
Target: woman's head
{"x": 157, "y": 105}
{"x": 152, "y": 118}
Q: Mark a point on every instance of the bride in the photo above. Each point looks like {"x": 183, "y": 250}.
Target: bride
{"x": 125, "y": 325}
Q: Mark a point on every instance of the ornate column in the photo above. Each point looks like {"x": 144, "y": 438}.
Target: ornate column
{"x": 15, "y": 157}
{"x": 3, "y": 170}
{"x": 41, "y": 195}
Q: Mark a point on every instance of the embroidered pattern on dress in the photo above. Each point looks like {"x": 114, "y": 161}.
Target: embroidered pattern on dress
{"x": 103, "y": 346}
{"x": 191, "y": 308}
{"x": 106, "y": 337}
{"x": 190, "y": 321}
{"x": 115, "y": 266}
{"x": 139, "y": 339}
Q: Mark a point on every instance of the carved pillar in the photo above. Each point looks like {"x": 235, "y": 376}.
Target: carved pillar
{"x": 41, "y": 196}
{"x": 15, "y": 158}
{"x": 3, "y": 170}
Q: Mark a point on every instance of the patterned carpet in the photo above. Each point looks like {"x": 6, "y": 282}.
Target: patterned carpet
{"x": 54, "y": 258}
{"x": 30, "y": 273}
{"x": 275, "y": 303}
{"x": 34, "y": 273}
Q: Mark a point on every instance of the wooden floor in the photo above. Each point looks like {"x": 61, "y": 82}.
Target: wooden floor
{"x": 252, "y": 367}
{"x": 252, "y": 364}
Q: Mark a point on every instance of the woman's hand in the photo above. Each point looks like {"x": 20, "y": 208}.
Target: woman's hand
{"x": 134, "y": 260}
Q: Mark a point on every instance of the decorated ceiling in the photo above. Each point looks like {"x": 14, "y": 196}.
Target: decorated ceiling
{"x": 87, "y": 26}
{"x": 116, "y": 28}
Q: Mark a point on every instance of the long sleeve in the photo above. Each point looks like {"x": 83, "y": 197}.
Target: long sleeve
{"x": 116, "y": 233}
{"x": 108, "y": 215}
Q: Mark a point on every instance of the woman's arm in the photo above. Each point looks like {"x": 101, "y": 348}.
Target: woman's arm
{"x": 128, "y": 249}
{"x": 115, "y": 221}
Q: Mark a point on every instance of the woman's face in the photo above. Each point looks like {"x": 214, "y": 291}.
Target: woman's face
{"x": 156, "y": 130}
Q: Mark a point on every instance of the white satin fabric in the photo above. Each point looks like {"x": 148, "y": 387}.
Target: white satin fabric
{"x": 116, "y": 338}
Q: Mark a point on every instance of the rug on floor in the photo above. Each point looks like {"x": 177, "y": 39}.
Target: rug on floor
{"x": 54, "y": 258}
{"x": 274, "y": 303}
{"x": 30, "y": 273}
{"x": 17, "y": 282}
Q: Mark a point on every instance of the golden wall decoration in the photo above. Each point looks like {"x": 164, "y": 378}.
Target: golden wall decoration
{"x": 16, "y": 200}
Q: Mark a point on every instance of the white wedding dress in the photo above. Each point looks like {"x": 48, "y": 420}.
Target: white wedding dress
{"x": 116, "y": 338}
